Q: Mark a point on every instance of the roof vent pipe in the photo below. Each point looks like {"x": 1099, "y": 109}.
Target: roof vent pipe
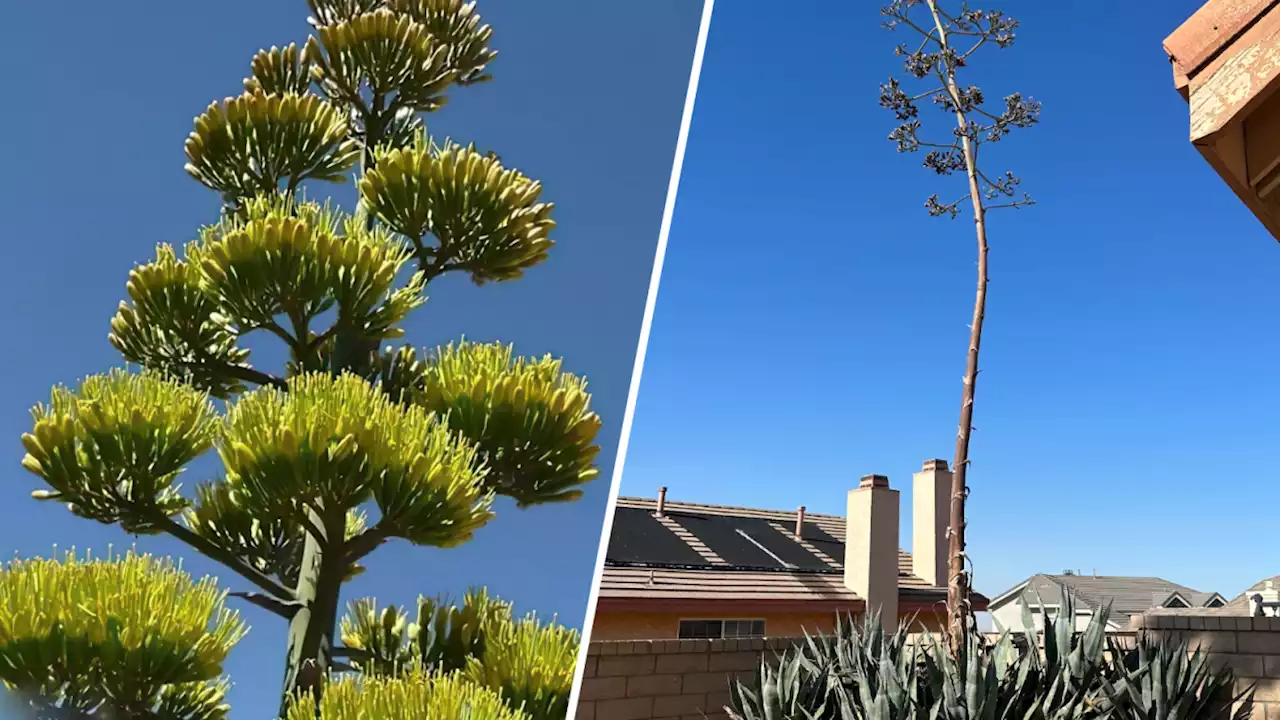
{"x": 662, "y": 500}
{"x": 800, "y": 522}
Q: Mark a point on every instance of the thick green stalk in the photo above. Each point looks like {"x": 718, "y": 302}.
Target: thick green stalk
{"x": 311, "y": 630}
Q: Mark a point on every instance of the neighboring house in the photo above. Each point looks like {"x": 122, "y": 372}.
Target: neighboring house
{"x": 1262, "y": 598}
{"x": 686, "y": 570}
{"x": 1128, "y": 597}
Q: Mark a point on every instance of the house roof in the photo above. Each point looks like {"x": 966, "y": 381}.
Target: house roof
{"x": 1241, "y": 601}
{"x": 1129, "y": 596}
{"x": 714, "y": 553}
{"x": 1203, "y": 36}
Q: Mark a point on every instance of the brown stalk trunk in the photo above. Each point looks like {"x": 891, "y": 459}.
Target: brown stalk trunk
{"x": 959, "y": 613}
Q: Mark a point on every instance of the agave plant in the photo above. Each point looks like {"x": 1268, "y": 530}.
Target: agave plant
{"x": 1172, "y": 681}
{"x": 860, "y": 673}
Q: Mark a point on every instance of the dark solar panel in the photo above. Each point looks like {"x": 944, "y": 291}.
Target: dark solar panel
{"x": 638, "y": 537}
{"x": 815, "y": 532}
{"x": 718, "y": 534}
{"x": 824, "y": 542}
{"x": 833, "y": 550}
{"x": 784, "y": 546}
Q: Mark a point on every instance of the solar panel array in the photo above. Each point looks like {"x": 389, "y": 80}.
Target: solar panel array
{"x": 638, "y": 537}
{"x": 743, "y": 542}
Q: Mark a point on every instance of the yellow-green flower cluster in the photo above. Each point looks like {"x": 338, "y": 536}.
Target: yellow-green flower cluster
{"x": 247, "y": 145}
{"x": 112, "y": 448}
{"x": 332, "y": 442}
{"x": 531, "y": 664}
{"x": 457, "y": 24}
{"x": 384, "y": 51}
{"x": 413, "y": 696}
{"x": 279, "y": 71}
{"x": 132, "y": 631}
{"x": 300, "y": 259}
{"x": 531, "y": 419}
{"x": 486, "y": 218}
{"x": 172, "y": 326}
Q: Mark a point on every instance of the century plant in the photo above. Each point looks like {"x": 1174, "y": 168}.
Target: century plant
{"x": 861, "y": 673}
{"x": 947, "y": 43}
{"x": 354, "y": 441}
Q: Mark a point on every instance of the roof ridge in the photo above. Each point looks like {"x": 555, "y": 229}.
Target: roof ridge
{"x": 715, "y": 506}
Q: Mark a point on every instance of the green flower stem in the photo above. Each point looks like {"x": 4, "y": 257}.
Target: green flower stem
{"x": 225, "y": 557}
{"x": 311, "y": 630}
{"x": 366, "y": 542}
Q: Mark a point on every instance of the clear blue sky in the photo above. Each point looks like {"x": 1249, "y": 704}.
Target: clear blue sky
{"x": 811, "y": 322}
{"x": 586, "y": 97}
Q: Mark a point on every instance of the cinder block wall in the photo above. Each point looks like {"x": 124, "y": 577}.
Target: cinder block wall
{"x": 667, "y": 679}
{"x": 689, "y": 679}
{"x": 1250, "y": 646}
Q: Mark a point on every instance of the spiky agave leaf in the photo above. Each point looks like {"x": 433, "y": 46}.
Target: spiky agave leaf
{"x": 130, "y": 633}
{"x": 486, "y": 219}
{"x": 415, "y": 695}
{"x": 530, "y": 419}
{"x": 279, "y": 71}
{"x": 302, "y": 258}
{"x": 249, "y": 145}
{"x": 1062, "y": 681}
{"x": 112, "y": 448}
{"x": 858, "y": 671}
{"x": 271, "y": 545}
{"x": 530, "y": 663}
{"x": 171, "y": 326}
{"x": 332, "y": 442}
{"x": 1169, "y": 680}
{"x": 458, "y": 25}
{"x": 384, "y": 53}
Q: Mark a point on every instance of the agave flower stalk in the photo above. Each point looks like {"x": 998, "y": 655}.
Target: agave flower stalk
{"x": 353, "y": 442}
{"x": 948, "y": 39}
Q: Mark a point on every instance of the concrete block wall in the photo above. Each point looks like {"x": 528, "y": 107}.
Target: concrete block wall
{"x": 690, "y": 679}
{"x": 668, "y": 679}
{"x": 1250, "y": 646}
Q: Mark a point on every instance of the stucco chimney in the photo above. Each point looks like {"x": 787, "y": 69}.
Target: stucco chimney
{"x": 800, "y": 522}
{"x": 930, "y": 512}
{"x": 871, "y": 547}
{"x": 662, "y": 501}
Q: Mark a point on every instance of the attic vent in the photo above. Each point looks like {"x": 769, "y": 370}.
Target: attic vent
{"x": 765, "y": 550}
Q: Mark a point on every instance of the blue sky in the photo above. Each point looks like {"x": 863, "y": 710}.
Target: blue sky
{"x": 587, "y": 98}
{"x": 811, "y": 322}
